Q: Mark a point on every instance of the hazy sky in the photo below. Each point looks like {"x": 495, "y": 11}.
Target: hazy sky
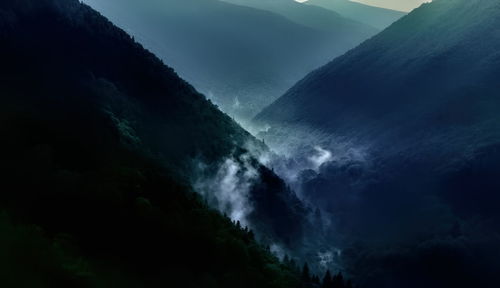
{"x": 403, "y": 5}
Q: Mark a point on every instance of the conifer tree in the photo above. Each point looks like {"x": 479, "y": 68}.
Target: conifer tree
{"x": 306, "y": 274}
{"x": 327, "y": 280}
{"x": 338, "y": 281}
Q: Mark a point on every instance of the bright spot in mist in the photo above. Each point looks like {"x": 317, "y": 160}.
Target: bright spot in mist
{"x": 325, "y": 259}
{"x": 321, "y": 157}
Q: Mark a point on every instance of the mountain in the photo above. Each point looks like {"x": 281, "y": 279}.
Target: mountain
{"x": 374, "y": 16}
{"x": 404, "y": 133}
{"x": 399, "y": 5}
{"x": 240, "y": 57}
{"x": 316, "y": 17}
{"x": 100, "y": 145}
{"x": 420, "y": 68}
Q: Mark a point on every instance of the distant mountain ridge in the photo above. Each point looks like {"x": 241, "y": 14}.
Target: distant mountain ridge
{"x": 316, "y": 17}
{"x": 240, "y": 57}
{"x": 377, "y": 17}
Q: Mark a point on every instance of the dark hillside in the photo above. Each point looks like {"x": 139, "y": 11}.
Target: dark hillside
{"x": 98, "y": 138}
{"x": 410, "y": 119}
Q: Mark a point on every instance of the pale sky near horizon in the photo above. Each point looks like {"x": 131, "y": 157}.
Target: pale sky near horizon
{"x": 402, "y": 5}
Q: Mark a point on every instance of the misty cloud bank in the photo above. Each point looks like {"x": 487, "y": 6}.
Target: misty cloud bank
{"x": 299, "y": 154}
{"x": 237, "y": 188}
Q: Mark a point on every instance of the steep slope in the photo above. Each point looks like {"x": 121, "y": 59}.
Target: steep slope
{"x": 374, "y": 16}
{"x": 241, "y": 58}
{"x": 423, "y": 70}
{"x": 406, "y": 131}
{"x": 154, "y": 111}
{"x": 98, "y": 143}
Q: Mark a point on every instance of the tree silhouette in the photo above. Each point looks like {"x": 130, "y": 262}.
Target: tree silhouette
{"x": 327, "y": 280}
{"x": 306, "y": 274}
{"x": 338, "y": 281}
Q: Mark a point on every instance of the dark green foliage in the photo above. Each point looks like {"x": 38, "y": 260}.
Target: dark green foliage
{"x": 95, "y": 137}
{"x": 29, "y": 259}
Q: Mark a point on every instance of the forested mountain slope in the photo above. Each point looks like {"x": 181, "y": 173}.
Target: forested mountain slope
{"x": 428, "y": 69}
{"x": 99, "y": 140}
{"x": 407, "y": 130}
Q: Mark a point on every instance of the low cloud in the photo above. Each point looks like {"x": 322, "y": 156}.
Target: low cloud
{"x": 228, "y": 190}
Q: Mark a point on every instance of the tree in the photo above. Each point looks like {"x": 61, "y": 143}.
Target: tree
{"x": 338, "y": 281}
{"x": 327, "y": 280}
{"x": 306, "y": 274}
{"x": 286, "y": 260}
{"x": 293, "y": 265}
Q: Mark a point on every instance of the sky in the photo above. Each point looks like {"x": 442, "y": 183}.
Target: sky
{"x": 402, "y": 5}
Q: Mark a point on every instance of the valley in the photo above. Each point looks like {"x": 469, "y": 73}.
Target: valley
{"x": 206, "y": 143}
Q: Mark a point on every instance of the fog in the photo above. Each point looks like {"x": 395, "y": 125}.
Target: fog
{"x": 229, "y": 189}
